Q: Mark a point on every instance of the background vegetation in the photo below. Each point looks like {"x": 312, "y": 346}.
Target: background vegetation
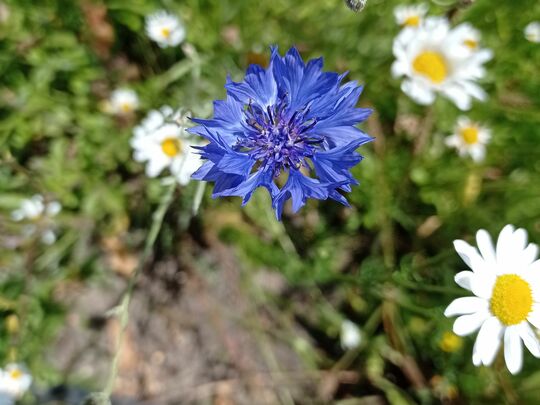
{"x": 387, "y": 263}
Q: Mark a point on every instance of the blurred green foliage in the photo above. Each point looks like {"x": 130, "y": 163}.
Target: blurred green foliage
{"x": 386, "y": 263}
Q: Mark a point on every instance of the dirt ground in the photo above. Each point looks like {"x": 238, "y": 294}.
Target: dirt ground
{"x": 196, "y": 335}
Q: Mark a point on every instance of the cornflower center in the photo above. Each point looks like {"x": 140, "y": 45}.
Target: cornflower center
{"x": 431, "y": 65}
{"x": 412, "y": 21}
{"x": 470, "y": 135}
{"x": 171, "y": 146}
{"x": 511, "y": 299}
{"x": 279, "y": 139}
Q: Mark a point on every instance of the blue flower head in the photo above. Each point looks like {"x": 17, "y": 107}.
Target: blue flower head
{"x": 290, "y": 124}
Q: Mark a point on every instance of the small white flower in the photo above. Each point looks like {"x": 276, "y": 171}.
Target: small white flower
{"x": 351, "y": 336}
{"x": 122, "y": 101}
{"x": 14, "y": 381}
{"x": 506, "y": 283}
{"x": 31, "y": 209}
{"x": 465, "y": 39}
{"x": 410, "y": 16}
{"x": 162, "y": 143}
{"x": 48, "y": 237}
{"x": 35, "y": 208}
{"x": 432, "y": 62}
{"x": 165, "y": 29}
{"x": 39, "y": 213}
{"x": 469, "y": 138}
{"x": 532, "y": 32}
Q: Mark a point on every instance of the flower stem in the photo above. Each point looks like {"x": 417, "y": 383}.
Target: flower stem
{"x": 199, "y": 194}
{"x": 123, "y": 308}
{"x": 438, "y": 289}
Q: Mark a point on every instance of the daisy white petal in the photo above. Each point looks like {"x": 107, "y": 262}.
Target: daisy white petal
{"x": 466, "y": 305}
{"x": 418, "y": 91}
{"x": 464, "y": 279}
{"x": 48, "y": 237}
{"x": 530, "y": 254}
{"x": 190, "y": 164}
{"x": 488, "y": 340}
{"x": 519, "y": 239}
{"x": 530, "y": 339}
{"x": 532, "y": 32}
{"x": 155, "y": 166}
{"x": 534, "y": 316}
{"x": 456, "y": 93}
{"x": 535, "y": 266}
{"x": 53, "y": 208}
{"x": 478, "y": 152}
{"x": 17, "y": 215}
{"x": 482, "y": 284}
{"x": 467, "y": 324}
{"x": 452, "y": 141}
{"x": 350, "y": 335}
{"x": 469, "y": 255}
{"x": 485, "y": 245}
{"x": 513, "y": 350}
{"x": 506, "y": 245}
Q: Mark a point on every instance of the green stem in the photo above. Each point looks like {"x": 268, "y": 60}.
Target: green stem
{"x": 411, "y": 285}
{"x": 123, "y": 309}
{"x": 199, "y": 194}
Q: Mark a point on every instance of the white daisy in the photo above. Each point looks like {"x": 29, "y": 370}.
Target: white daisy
{"x": 466, "y": 39}
{"x": 432, "y": 62}
{"x": 350, "y": 336}
{"x": 38, "y": 212}
{"x": 14, "y": 381}
{"x": 470, "y": 138}
{"x": 410, "y": 16}
{"x": 162, "y": 142}
{"x": 506, "y": 283}
{"x": 165, "y": 29}
{"x": 532, "y": 32}
{"x": 5, "y": 399}
{"x": 122, "y": 101}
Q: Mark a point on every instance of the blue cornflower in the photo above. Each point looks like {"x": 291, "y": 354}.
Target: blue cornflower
{"x": 290, "y": 121}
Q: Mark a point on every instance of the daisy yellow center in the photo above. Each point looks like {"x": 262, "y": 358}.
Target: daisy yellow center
{"x": 171, "y": 147}
{"x": 166, "y": 32}
{"x": 470, "y": 135}
{"x": 471, "y": 43}
{"x": 511, "y": 300}
{"x": 15, "y": 374}
{"x": 412, "y": 21}
{"x": 431, "y": 65}
{"x": 125, "y": 107}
